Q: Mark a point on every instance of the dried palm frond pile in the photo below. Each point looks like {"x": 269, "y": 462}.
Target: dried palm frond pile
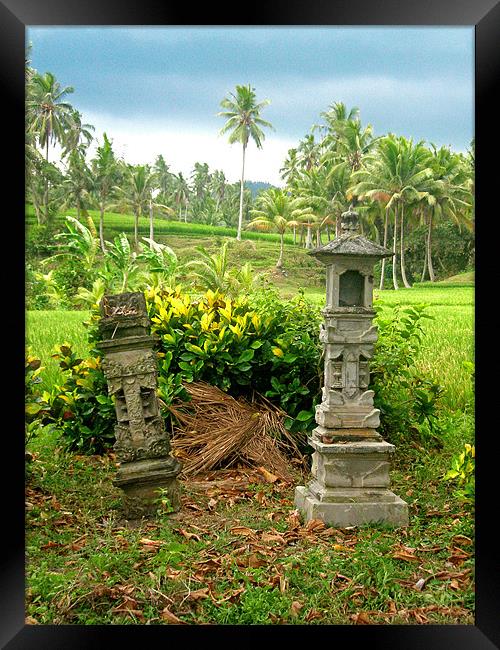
{"x": 216, "y": 431}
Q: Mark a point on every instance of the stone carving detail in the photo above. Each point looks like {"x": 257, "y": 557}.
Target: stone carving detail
{"x": 129, "y": 365}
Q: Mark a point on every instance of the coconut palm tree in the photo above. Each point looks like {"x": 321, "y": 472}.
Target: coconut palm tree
{"x": 181, "y": 194}
{"x": 243, "y": 122}
{"x": 290, "y": 170}
{"x": 78, "y": 135}
{"x": 77, "y": 185}
{"x": 135, "y": 193}
{"x": 105, "y": 170}
{"x": 276, "y": 210}
{"x": 449, "y": 195}
{"x": 308, "y": 153}
{"x": 397, "y": 173}
{"x": 50, "y": 116}
{"x": 218, "y": 187}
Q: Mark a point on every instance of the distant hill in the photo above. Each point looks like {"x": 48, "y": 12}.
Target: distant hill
{"x": 257, "y": 186}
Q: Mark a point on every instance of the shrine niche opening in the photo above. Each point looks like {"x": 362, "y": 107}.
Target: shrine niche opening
{"x": 351, "y": 289}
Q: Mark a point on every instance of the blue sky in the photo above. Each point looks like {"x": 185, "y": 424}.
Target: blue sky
{"x": 158, "y": 89}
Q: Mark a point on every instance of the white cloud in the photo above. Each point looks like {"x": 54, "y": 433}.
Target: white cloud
{"x": 182, "y": 146}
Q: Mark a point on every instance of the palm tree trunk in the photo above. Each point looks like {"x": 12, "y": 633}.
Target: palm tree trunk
{"x": 309, "y": 243}
{"x": 402, "y": 254}
{"x": 46, "y": 195}
{"x": 279, "y": 263}
{"x": 294, "y": 236}
{"x": 101, "y": 228}
{"x": 136, "y": 230}
{"x": 422, "y": 277}
{"x": 382, "y": 270}
{"x": 151, "y": 233}
{"x": 432, "y": 277}
{"x": 395, "y": 251}
{"x": 240, "y": 216}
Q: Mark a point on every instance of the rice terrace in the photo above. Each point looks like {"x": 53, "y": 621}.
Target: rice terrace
{"x": 258, "y": 362}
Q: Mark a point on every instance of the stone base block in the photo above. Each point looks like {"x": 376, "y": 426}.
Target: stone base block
{"x": 351, "y": 507}
{"x": 145, "y": 483}
{"x": 357, "y": 464}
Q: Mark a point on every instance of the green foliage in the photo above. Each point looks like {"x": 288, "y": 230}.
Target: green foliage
{"x": 81, "y": 408}
{"x": 241, "y": 345}
{"x": 462, "y": 472}
{"x": 36, "y": 404}
{"x": 452, "y": 250}
{"x": 408, "y": 401}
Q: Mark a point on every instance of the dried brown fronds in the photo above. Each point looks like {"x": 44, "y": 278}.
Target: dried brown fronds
{"x": 216, "y": 431}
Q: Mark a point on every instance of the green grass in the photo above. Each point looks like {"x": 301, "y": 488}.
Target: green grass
{"x": 86, "y": 566}
{"x": 115, "y": 223}
{"x": 46, "y": 329}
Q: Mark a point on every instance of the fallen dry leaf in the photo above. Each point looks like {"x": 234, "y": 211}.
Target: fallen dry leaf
{"x": 230, "y": 597}
{"x": 296, "y": 607}
{"x": 243, "y": 530}
{"x": 188, "y": 535}
{"x": 150, "y": 542}
{"x": 198, "y": 594}
{"x": 312, "y": 615}
{"x": 361, "y": 618}
{"x": 270, "y": 478}
{"x": 314, "y": 525}
{"x": 272, "y": 537}
{"x": 168, "y": 617}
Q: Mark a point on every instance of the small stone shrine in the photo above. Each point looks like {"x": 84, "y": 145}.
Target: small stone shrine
{"x": 351, "y": 461}
{"x": 147, "y": 470}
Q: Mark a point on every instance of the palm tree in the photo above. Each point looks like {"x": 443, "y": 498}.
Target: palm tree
{"x": 308, "y": 153}
{"x": 105, "y": 172}
{"x": 181, "y": 194}
{"x": 398, "y": 174}
{"x": 50, "y": 117}
{"x": 290, "y": 170}
{"x": 77, "y": 184}
{"x": 218, "y": 187}
{"x": 78, "y": 135}
{"x": 163, "y": 177}
{"x": 212, "y": 270}
{"x": 243, "y": 121}
{"x": 449, "y": 195}
{"x": 276, "y": 209}
{"x": 136, "y": 192}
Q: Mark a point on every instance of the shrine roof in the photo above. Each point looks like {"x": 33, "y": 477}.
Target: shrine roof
{"x": 351, "y": 244}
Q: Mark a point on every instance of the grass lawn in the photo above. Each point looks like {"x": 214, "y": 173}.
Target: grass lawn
{"x": 237, "y": 553}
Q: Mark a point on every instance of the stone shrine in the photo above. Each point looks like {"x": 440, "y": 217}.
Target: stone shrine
{"x": 351, "y": 461}
{"x": 147, "y": 470}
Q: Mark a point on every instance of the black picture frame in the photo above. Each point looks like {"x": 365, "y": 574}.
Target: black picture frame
{"x": 15, "y": 15}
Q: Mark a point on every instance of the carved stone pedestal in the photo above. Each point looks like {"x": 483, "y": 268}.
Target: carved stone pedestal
{"x": 350, "y": 485}
{"x": 147, "y": 471}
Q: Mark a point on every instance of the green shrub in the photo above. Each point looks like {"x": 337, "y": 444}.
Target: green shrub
{"x": 81, "y": 408}
{"x": 36, "y": 402}
{"x": 462, "y": 472}
{"x": 241, "y": 345}
{"x": 408, "y": 401}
